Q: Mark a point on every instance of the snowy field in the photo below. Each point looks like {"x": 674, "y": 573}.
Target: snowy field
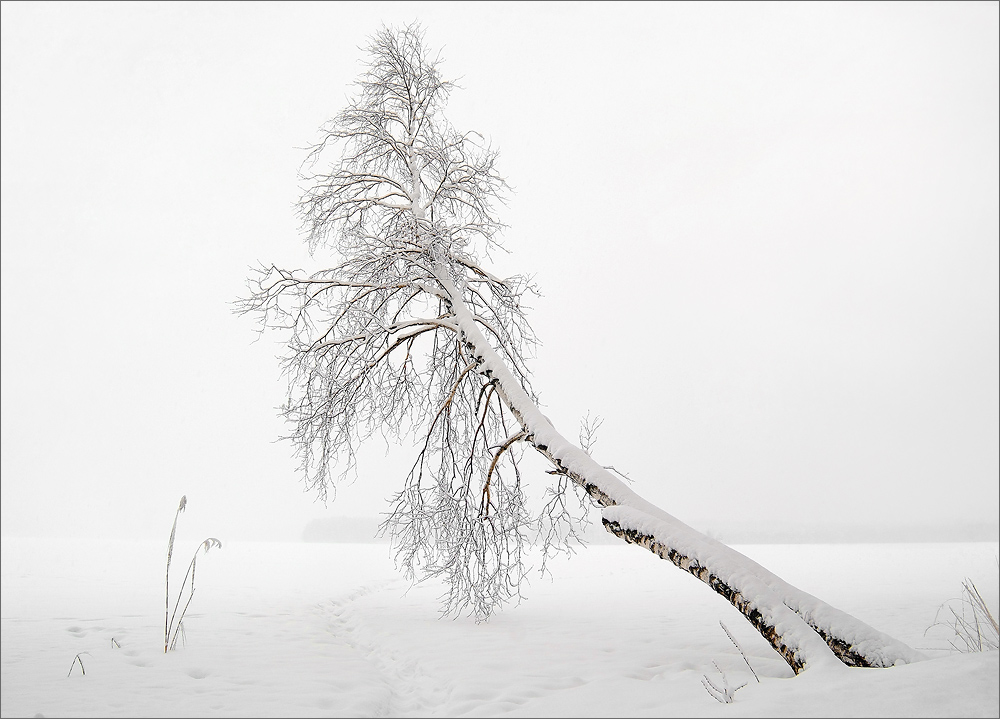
{"x": 301, "y": 629}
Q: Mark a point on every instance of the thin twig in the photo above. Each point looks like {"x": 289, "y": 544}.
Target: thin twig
{"x": 742, "y": 653}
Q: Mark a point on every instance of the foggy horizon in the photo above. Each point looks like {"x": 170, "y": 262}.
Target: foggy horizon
{"x": 766, "y": 238}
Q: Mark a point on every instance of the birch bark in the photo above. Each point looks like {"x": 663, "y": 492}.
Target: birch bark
{"x": 802, "y": 629}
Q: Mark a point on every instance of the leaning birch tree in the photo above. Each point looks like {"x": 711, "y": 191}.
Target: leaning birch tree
{"x": 409, "y": 333}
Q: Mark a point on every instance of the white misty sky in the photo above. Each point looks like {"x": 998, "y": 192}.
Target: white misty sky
{"x": 767, "y": 237}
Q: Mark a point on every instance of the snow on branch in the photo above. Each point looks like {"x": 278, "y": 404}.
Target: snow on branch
{"x": 405, "y": 205}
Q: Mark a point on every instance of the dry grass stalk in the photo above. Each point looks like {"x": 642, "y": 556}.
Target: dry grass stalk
{"x": 724, "y": 695}
{"x": 76, "y": 660}
{"x": 738, "y": 647}
{"x": 206, "y": 545}
{"x": 973, "y": 625}
{"x": 170, "y": 627}
{"x": 170, "y": 554}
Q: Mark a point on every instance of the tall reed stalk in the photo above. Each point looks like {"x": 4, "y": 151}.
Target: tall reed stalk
{"x": 170, "y": 627}
{"x": 170, "y": 554}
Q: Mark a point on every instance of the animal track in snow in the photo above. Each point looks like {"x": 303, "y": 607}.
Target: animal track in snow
{"x": 409, "y": 688}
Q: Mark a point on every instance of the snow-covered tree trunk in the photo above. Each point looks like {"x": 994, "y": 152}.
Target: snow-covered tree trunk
{"x": 801, "y": 628}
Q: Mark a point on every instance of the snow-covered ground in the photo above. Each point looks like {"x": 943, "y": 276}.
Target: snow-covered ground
{"x": 300, "y": 629}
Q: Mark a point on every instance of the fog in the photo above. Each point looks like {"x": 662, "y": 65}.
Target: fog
{"x": 766, "y": 237}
